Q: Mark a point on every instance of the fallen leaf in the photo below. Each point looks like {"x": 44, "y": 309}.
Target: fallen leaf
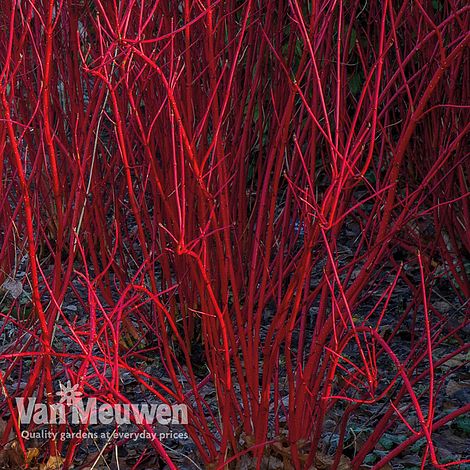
{"x": 325, "y": 462}
{"x": 54, "y": 463}
{"x": 13, "y": 286}
{"x": 11, "y": 456}
{"x": 31, "y": 454}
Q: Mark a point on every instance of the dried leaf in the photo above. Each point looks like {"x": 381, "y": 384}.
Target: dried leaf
{"x": 11, "y": 456}
{"x": 458, "y": 360}
{"x": 31, "y": 454}
{"x": 54, "y": 463}
{"x": 325, "y": 462}
{"x": 13, "y": 287}
{"x": 454, "y": 387}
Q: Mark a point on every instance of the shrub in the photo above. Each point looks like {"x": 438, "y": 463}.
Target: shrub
{"x": 277, "y": 190}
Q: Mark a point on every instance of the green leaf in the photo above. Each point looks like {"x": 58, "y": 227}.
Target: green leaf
{"x": 352, "y": 41}
{"x": 370, "y": 459}
{"x": 462, "y": 423}
{"x": 389, "y": 441}
{"x": 417, "y": 445}
{"x": 355, "y": 84}
{"x": 437, "y": 5}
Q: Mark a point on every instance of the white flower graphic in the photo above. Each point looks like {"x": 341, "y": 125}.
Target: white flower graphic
{"x": 69, "y": 394}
